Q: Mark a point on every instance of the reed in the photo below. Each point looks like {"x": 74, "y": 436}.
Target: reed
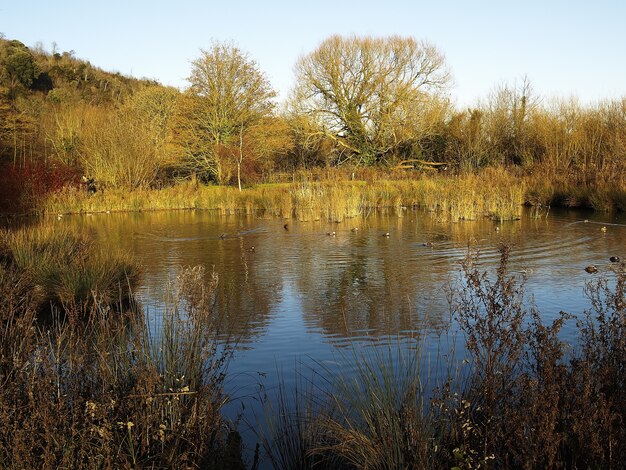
{"x": 377, "y": 418}
{"x": 494, "y": 194}
{"x": 116, "y": 391}
{"x": 67, "y": 268}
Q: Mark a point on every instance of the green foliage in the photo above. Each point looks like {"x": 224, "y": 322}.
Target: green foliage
{"x": 18, "y": 64}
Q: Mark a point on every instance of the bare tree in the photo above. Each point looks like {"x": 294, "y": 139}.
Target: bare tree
{"x": 227, "y": 97}
{"x": 369, "y": 94}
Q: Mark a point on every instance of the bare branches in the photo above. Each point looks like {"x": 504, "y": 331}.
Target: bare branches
{"x": 228, "y": 96}
{"x": 367, "y": 91}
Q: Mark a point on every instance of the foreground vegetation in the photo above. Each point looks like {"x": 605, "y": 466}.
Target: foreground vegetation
{"x": 102, "y": 384}
{"x": 65, "y": 268}
{"x": 110, "y": 390}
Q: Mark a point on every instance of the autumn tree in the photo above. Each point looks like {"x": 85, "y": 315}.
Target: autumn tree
{"x": 508, "y": 113}
{"x": 369, "y": 94}
{"x": 229, "y": 96}
{"x": 18, "y": 66}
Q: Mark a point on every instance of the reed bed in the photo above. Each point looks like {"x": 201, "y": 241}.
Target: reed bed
{"x": 493, "y": 194}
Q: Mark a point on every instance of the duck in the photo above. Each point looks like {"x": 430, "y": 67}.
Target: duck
{"x": 427, "y": 244}
{"x": 603, "y": 229}
{"x": 386, "y": 234}
{"x": 591, "y": 269}
{"x": 286, "y": 226}
{"x": 355, "y": 229}
{"x": 251, "y": 249}
{"x": 331, "y": 234}
{"x": 614, "y": 259}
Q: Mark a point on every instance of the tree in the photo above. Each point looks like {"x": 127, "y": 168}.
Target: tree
{"x": 228, "y": 96}
{"x": 18, "y": 65}
{"x": 508, "y": 111}
{"x": 368, "y": 94}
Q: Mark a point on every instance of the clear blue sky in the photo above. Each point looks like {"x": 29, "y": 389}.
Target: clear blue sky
{"x": 564, "y": 47}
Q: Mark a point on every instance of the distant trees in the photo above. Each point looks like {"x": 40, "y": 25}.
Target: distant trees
{"x": 128, "y": 146}
{"x": 370, "y": 95}
{"x": 358, "y": 100}
{"x": 18, "y": 64}
{"x": 227, "y": 99}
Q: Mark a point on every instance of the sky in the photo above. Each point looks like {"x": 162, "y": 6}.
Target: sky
{"x": 565, "y": 48}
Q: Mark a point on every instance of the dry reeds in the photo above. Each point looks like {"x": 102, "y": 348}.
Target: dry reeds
{"x": 115, "y": 391}
{"x": 493, "y": 194}
{"x": 67, "y": 268}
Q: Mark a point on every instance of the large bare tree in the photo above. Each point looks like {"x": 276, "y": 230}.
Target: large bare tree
{"x": 227, "y": 98}
{"x": 371, "y": 95}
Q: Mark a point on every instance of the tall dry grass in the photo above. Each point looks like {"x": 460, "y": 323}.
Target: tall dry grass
{"x": 114, "y": 391}
{"x": 493, "y": 193}
{"x": 64, "y": 267}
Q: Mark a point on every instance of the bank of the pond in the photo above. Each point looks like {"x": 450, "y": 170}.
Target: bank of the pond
{"x": 48, "y": 265}
{"x": 493, "y": 193}
{"x": 452, "y": 198}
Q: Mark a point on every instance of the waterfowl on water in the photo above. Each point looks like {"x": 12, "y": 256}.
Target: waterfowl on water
{"x": 603, "y": 229}
{"x": 286, "y": 226}
{"x": 222, "y": 236}
{"x": 251, "y": 249}
{"x": 331, "y": 234}
{"x": 614, "y": 259}
{"x": 427, "y": 244}
{"x": 591, "y": 269}
{"x": 386, "y": 234}
{"x": 355, "y": 229}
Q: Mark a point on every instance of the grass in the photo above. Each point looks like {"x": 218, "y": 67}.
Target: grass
{"x": 67, "y": 268}
{"x": 115, "y": 391}
{"x": 493, "y": 194}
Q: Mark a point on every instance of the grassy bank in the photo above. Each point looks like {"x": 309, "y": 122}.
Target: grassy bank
{"x": 492, "y": 194}
{"x": 65, "y": 268}
{"x": 108, "y": 392}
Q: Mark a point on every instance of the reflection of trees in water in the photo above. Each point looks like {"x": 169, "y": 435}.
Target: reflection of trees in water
{"x": 163, "y": 242}
{"x": 374, "y": 291}
{"x": 356, "y": 283}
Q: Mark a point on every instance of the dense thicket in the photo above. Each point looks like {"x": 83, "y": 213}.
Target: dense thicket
{"x": 357, "y": 102}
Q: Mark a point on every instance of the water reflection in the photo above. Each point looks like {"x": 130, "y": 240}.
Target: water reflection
{"x": 356, "y": 284}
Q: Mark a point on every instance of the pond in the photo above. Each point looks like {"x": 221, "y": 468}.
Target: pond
{"x": 304, "y": 291}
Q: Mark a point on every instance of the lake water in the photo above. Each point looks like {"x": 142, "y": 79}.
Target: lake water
{"x": 303, "y": 295}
